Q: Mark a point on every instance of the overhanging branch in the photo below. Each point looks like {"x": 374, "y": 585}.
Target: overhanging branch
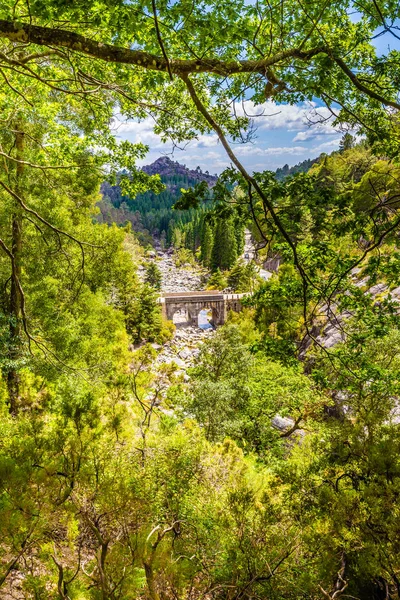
{"x": 61, "y": 38}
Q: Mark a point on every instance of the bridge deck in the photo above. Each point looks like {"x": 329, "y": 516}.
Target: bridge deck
{"x": 211, "y": 295}
{"x": 191, "y": 294}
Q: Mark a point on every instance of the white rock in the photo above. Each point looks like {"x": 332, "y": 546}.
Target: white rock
{"x": 179, "y": 362}
{"x": 282, "y": 423}
{"x": 395, "y": 292}
{"x": 377, "y": 289}
{"x": 333, "y": 339}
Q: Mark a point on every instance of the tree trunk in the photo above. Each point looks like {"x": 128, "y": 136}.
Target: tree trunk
{"x": 13, "y": 379}
{"x": 151, "y": 584}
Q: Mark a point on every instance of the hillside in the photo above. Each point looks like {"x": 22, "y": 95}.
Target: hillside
{"x": 168, "y": 169}
{"x": 301, "y": 167}
{"x": 149, "y": 213}
{"x": 152, "y": 214}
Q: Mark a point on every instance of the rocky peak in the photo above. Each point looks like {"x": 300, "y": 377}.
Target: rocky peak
{"x": 165, "y": 167}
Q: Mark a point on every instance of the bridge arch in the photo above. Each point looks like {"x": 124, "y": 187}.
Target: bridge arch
{"x": 216, "y": 316}
{"x": 192, "y": 309}
{"x": 181, "y": 317}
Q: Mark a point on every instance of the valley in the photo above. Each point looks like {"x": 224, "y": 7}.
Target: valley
{"x": 199, "y": 358}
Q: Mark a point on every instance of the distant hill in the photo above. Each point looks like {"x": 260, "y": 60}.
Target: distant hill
{"x": 151, "y": 213}
{"x": 168, "y": 169}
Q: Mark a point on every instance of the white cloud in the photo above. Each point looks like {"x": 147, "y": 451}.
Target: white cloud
{"x": 316, "y": 132}
{"x": 249, "y": 150}
{"x": 211, "y": 155}
{"x": 257, "y": 151}
{"x": 285, "y": 150}
{"x": 306, "y": 118}
{"x": 204, "y": 141}
{"x": 211, "y": 161}
{"x": 138, "y": 131}
{"x": 142, "y": 131}
{"x": 326, "y": 146}
{"x": 297, "y": 122}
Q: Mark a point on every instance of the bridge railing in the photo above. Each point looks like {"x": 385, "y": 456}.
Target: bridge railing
{"x": 201, "y": 295}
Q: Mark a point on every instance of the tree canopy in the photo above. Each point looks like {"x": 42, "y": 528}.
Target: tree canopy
{"x": 185, "y": 68}
{"x": 270, "y": 467}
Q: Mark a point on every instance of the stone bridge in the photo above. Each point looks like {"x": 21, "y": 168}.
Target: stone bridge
{"x": 193, "y": 302}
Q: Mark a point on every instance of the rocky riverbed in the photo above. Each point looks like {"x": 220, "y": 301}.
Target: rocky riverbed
{"x": 177, "y": 279}
{"x": 180, "y": 279}
{"x": 184, "y": 347}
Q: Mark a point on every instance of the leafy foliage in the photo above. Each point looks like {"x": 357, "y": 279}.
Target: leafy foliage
{"x": 118, "y": 479}
{"x": 153, "y": 275}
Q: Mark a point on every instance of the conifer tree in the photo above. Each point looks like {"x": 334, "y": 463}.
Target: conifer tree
{"x": 347, "y": 142}
{"x": 189, "y": 237}
{"x": 146, "y": 321}
{"x": 242, "y": 276}
{"x": 176, "y": 238}
{"x": 170, "y": 233}
{"x": 206, "y": 244}
{"x": 153, "y": 275}
{"x": 224, "y": 253}
{"x": 239, "y": 235}
{"x": 163, "y": 240}
{"x": 217, "y": 281}
{"x": 197, "y": 230}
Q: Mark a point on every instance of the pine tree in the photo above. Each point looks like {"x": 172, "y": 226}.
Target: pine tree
{"x": 239, "y": 235}
{"x": 217, "y": 281}
{"x": 347, "y": 142}
{"x": 224, "y": 253}
{"x": 176, "y": 238}
{"x": 163, "y": 240}
{"x": 197, "y": 230}
{"x": 170, "y": 233}
{"x": 146, "y": 320}
{"x": 242, "y": 276}
{"x": 189, "y": 237}
{"x": 153, "y": 275}
{"x": 206, "y": 244}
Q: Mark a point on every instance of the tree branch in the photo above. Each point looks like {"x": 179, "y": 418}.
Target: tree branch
{"x": 61, "y": 38}
{"x": 159, "y": 38}
{"x": 360, "y": 86}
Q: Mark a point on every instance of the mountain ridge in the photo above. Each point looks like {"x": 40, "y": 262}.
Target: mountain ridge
{"x": 165, "y": 167}
{"x": 152, "y": 214}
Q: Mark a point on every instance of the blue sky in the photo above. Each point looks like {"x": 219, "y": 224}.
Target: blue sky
{"x": 284, "y": 135}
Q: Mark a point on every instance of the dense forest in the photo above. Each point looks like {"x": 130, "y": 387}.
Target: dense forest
{"x": 152, "y": 213}
{"x": 215, "y": 240}
{"x": 269, "y": 469}
{"x": 302, "y": 167}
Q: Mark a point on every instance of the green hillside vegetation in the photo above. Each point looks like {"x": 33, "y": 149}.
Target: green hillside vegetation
{"x": 302, "y": 167}
{"x": 155, "y": 210}
{"x": 215, "y": 241}
{"x": 270, "y": 468}
{"x": 215, "y": 235}
{"x": 150, "y": 213}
